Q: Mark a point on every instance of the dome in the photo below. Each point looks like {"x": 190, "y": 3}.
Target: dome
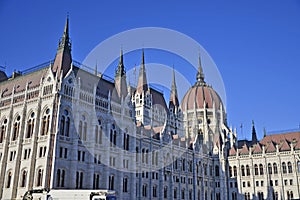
{"x": 199, "y": 93}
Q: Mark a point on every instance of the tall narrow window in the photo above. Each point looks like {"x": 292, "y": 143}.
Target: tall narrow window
{"x": 67, "y": 134}
{"x": 125, "y": 184}
{"x": 284, "y": 168}
{"x": 243, "y": 170}
{"x": 16, "y": 128}
{"x": 234, "y": 171}
{"x": 247, "y": 170}
{"x": 111, "y": 182}
{"x": 261, "y": 169}
{"x": 58, "y": 178}
{"x": 24, "y": 178}
{"x": 3, "y": 130}
{"x": 63, "y": 178}
{"x": 269, "y": 168}
{"x": 217, "y": 170}
{"x": 30, "y": 126}
{"x": 62, "y": 125}
{"x": 256, "y": 169}
{"x": 290, "y": 168}
{"x": 165, "y": 192}
{"x": 84, "y": 131}
{"x": 80, "y": 129}
{"x": 8, "y": 181}
{"x": 275, "y": 168}
{"x": 39, "y": 177}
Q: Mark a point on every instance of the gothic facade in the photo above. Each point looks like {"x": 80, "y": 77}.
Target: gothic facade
{"x": 63, "y": 127}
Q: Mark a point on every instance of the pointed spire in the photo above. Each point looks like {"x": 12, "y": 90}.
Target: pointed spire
{"x": 142, "y": 79}
{"x": 120, "y": 69}
{"x": 63, "y": 58}
{"x": 120, "y": 78}
{"x": 254, "y": 138}
{"x": 200, "y": 74}
{"x": 173, "y": 96}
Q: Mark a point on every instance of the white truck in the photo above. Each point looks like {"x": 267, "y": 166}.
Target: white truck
{"x": 58, "y": 194}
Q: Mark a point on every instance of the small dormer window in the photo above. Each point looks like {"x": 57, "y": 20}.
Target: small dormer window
{"x": 70, "y": 81}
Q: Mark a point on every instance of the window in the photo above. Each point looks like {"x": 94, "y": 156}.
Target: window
{"x": 269, "y": 168}
{"x": 113, "y": 137}
{"x": 39, "y": 177}
{"x": 23, "y": 178}
{"x": 290, "y": 168}
{"x": 298, "y": 166}
{"x": 175, "y": 193}
{"x": 126, "y": 141}
{"x": 45, "y": 122}
{"x": 230, "y": 171}
{"x": 96, "y": 182}
{"x": 234, "y": 171}
{"x": 255, "y": 169}
{"x": 98, "y": 133}
{"x": 111, "y": 182}
{"x": 275, "y": 195}
{"x": 125, "y": 184}
{"x": 275, "y": 168}
{"x": 3, "y": 130}
{"x": 217, "y": 171}
{"x": 60, "y": 178}
{"x": 79, "y": 180}
{"x": 248, "y": 170}
{"x": 247, "y": 196}
{"x": 243, "y": 170}
{"x": 182, "y": 194}
{"x": 16, "y": 128}
{"x": 30, "y": 126}
{"x": 144, "y": 191}
{"x": 8, "y": 181}
{"x": 233, "y": 196}
{"x": 154, "y": 191}
{"x": 260, "y": 195}
{"x": 165, "y": 192}
{"x": 62, "y": 125}
{"x": 284, "y": 168}
{"x": 261, "y": 169}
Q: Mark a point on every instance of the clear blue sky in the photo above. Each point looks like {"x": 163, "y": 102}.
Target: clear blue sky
{"x": 255, "y": 44}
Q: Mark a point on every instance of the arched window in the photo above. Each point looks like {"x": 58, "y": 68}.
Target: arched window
{"x": 154, "y": 191}
{"x": 3, "y": 130}
{"x": 62, "y": 125}
{"x": 16, "y": 129}
{"x": 183, "y": 194}
{"x": 261, "y": 169}
{"x": 137, "y": 154}
{"x": 63, "y": 178}
{"x": 143, "y": 155}
{"x": 146, "y": 156}
{"x": 269, "y": 168}
{"x": 290, "y": 168}
{"x": 217, "y": 170}
{"x": 230, "y": 171}
{"x": 126, "y": 141}
{"x": 234, "y": 171}
{"x": 23, "y": 178}
{"x": 67, "y": 133}
{"x": 256, "y": 169}
{"x": 175, "y": 193}
{"x": 190, "y": 194}
{"x": 39, "y": 179}
{"x": 8, "y": 181}
{"x": 111, "y": 182}
{"x": 125, "y": 184}
{"x": 30, "y": 126}
{"x": 144, "y": 191}
{"x": 98, "y": 133}
{"x": 113, "y": 136}
{"x": 58, "y": 178}
{"x": 165, "y": 192}
{"x": 248, "y": 170}
{"x": 275, "y": 168}
{"x": 243, "y": 170}
{"x": 84, "y": 131}
{"x": 284, "y": 168}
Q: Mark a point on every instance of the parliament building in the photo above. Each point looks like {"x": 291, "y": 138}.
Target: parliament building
{"x": 65, "y": 127}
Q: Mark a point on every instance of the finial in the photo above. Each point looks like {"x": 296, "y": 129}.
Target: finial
{"x": 200, "y": 74}
{"x": 252, "y": 122}
{"x": 143, "y": 57}
{"x": 96, "y": 68}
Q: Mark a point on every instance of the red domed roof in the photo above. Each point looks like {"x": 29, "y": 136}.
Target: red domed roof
{"x": 200, "y": 93}
{"x": 197, "y": 94}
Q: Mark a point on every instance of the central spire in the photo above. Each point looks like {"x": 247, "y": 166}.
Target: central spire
{"x": 200, "y": 74}
{"x": 63, "y": 58}
{"x": 174, "y": 103}
{"x": 142, "y": 81}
